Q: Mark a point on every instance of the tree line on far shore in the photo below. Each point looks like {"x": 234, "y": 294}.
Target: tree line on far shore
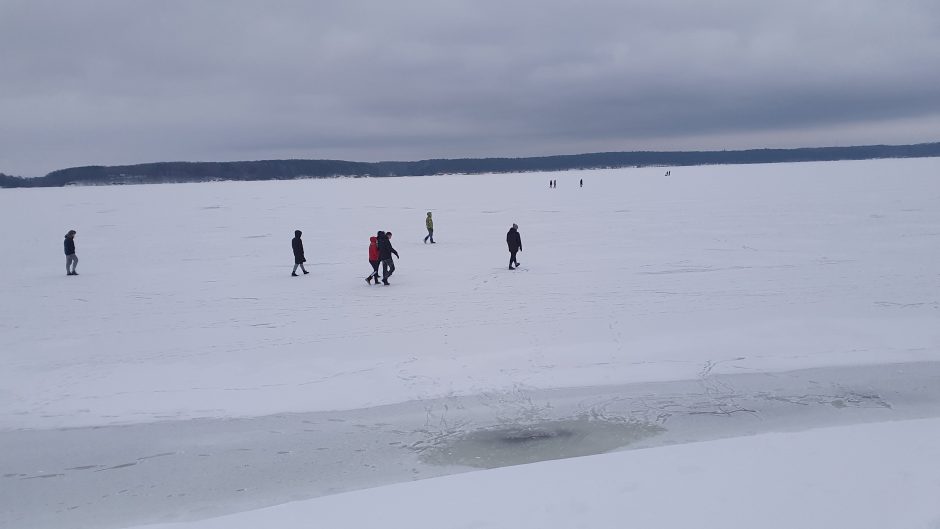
{"x": 180, "y": 172}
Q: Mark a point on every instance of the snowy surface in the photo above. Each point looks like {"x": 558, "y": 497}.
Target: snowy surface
{"x": 712, "y": 305}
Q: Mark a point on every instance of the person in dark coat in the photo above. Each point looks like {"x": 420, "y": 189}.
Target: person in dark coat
{"x": 373, "y": 260}
{"x": 299, "y": 259}
{"x": 71, "y": 260}
{"x": 385, "y": 255}
{"x": 514, "y": 241}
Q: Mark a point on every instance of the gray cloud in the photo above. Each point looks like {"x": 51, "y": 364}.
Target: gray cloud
{"x": 126, "y": 81}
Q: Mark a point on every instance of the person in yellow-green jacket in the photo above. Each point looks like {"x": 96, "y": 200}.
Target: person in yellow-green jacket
{"x": 430, "y": 225}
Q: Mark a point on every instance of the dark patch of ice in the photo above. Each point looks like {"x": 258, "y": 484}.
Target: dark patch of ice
{"x": 518, "y": 444}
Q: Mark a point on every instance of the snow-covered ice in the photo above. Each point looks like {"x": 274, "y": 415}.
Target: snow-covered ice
{"x": 185, "y": 375}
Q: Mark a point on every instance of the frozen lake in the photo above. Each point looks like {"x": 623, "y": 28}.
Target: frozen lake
{"x": 184, "y": 374}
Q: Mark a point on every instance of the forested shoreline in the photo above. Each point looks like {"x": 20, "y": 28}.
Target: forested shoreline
{"x": 180, "y": 172}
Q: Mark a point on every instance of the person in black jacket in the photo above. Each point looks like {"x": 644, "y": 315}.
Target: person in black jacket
{"x": 299, "y": 259}
{"x": 514, "y": 241}
{"x": 385, "y": 255}
{"x": 71, "y": 260}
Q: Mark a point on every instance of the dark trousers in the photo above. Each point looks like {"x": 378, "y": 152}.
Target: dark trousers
{"x": 375, "y": 270}
{"x": 512, "y": 257}
{"x": 388, "y": 268}
{"x": 430, "y": 235}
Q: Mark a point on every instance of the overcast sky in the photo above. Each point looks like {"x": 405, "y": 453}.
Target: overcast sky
{"x": 89, "y": 82}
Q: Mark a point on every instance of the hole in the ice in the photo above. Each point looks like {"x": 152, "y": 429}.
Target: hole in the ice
{"x": 518, "y": 444}
{"x": 524, "y": 435}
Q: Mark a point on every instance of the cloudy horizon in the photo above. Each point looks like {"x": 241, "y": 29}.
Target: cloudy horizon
{"x": 109, "y": 82}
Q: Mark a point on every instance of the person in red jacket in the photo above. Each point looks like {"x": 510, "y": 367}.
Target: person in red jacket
{"x": 373, "y": 260}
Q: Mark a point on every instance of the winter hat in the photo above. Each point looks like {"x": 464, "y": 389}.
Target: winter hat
{"x": 388, "y": 234}
{"x": 71, "y": 232}
{"x": 297, "y": 233}
{"x": 515, "y": 226}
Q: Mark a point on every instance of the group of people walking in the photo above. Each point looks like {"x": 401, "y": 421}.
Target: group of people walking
{"x": 381, "y": 251}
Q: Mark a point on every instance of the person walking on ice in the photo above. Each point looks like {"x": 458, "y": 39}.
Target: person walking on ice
{"x": 429, "y": 224}
{"x": 71, "y": 260}
{"x": 373, "y": 260}
{"x": 514, "y": 241}
{"x": 299, "y": 258}
{"x": 385, "y": 255}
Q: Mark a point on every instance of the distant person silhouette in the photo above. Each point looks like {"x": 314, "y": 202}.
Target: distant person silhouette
{"x": 71, "y": 260}
{"x": 429, "y": 224}
{"x": 385, "y": 255}
{"x": 514, "y": 241}
{"x": 299, "y": 258}
{"x": 373, "y": 260}
{"x": 581, "y": 183}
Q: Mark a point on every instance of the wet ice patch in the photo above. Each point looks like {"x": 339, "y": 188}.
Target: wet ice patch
{"x": 518, "y": 444}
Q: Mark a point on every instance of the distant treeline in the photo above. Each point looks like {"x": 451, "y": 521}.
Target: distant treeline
{"x": 174, "y": 172}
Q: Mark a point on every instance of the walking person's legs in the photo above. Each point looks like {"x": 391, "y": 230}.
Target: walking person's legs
{"x": 374, "y": 274}
{"x": 388, "y": 268}
{"x": 512, "y": 259}
{"x": 71, "y": 262}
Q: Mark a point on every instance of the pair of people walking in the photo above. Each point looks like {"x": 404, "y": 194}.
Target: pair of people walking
{"x": 381, "y": 251}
